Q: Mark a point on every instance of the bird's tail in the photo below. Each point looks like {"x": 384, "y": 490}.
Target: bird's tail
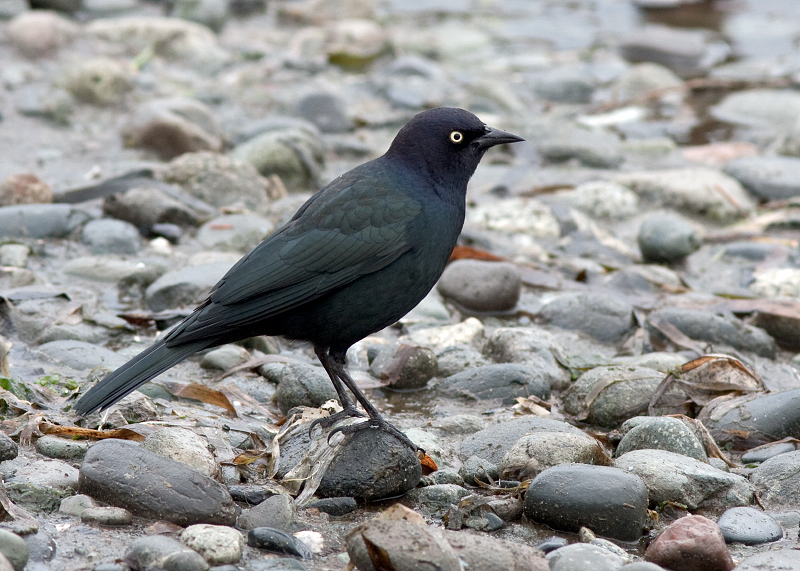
{"x": 146, "y": 365}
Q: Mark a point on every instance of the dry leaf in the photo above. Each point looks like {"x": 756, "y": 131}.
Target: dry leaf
{"x": 428, "y": 464}
{"x": 199, "y": 392}
{"x": 399, "y": 512}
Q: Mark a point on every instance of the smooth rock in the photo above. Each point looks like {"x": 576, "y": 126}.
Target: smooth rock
{"x": 662, "y": 433}
{"x": 153, "y": 552}
{"x": 536, "y": 452}
{"x": 532, "y": 346}
{"x": 210, "y": 13}
{"x": 784, "y": 559}
{"x": 593, "y": 148}
{"x": 768, "y": 178}
{"x": 111, "y": 237}
{"x": 277, "y": 511}
{"x": 173, "y": 126}
{"x": 772, "y": 108}
{"x": 326, "y": 110}
{"x": 618, "y": 393}
{"x": 762, "y": 418}
{"x": 749, "y": 526}
{"x": 107, "y": 516}
{"x": 8, "y": 448}
{"x": 183, "y": 445}
{"x": 672, "y": 477}
{"x": 455, "y": 359}
{"x": 702, "y": 191}
{"x": 161, "y": 489}
{"x": 81, "y": 356}
{"x": 493, "y": 442}
{"x": 15, "y": 255}
{"x": 218, "y": 180}
{"x": 516, "y": 215}
{"x": 405, "y": 366}
{"x": 583, "y": 557}
{"x": 691, "y": 543}
{"x": 40, "y": 33}
{"x": 24, "y": 188}
{"x": 334, "y": 506}
{"x": 572, "y": 496}
{"x": 601, "y": 199}
{"x": 303, "y": 385}
{"x": 98, "y": 80}
{"x": 185, "y": 287}
{"x": 40, "y": 220}
{"x": 762, "y": 454}
{"x": 606, "y": 318}
{"x": 665, "y": 237}
{"x": 225, "y": 358}
{"x": 218, "y": 544}
{"x": 14, "y": 549}
{"x": 777, "y": 481}
{"x": 144, "y": 206}
{"x": 713, "y": 328}
{"x": 684, "y": 51}
{"x": 61, "y": 448}
{"x": 372, "y": 464}
{"x": 505, "y": 381}
{"x": 436, "y": 500}
{"x": 76, "y": 505}
{"x": 644, "y": 78}
{"x": 277, "y": 541}
{"x": 234, "y": 232}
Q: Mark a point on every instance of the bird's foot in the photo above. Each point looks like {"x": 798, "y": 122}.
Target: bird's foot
{"x": 327, "y": 421}
{"x": 378, "y": 423}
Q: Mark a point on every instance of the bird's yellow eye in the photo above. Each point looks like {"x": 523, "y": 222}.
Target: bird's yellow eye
{"x": 456, "y": 137}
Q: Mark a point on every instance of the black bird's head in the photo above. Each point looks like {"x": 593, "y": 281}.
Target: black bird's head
{"x": 448, "y": 143}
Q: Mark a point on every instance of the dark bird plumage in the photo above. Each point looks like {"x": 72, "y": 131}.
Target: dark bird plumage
{"x": 354, "y": 259}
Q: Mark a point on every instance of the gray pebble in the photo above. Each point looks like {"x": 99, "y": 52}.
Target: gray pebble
{"x": 584, "y": 557}
{"x": 572, "y": 496}
{"x": 667, "y": 238}
{"x": 784, "y": 559}
{"x": 749, "y": 526}
{"x": 75, "y": 505}
{"x": 777, "y": 481}
{"x": 405, "y": 366}
{"x": 218, "y": 544}
{"x": 55, "y": 447}
{"x": 503, "y": 381}
{"x": 757, "y": 456}
{"x": 481, "y": 286}
{"x": 185, "y": 446}
{"x": 8, "y": 448}
{"x": 40, "y": 220}
{"x": 225, "y": 357}
{"x": 662, "y": 433}
{"x": 303, "y": 385}
{"x": 326, "y": 110}
{"x": 334, "y": 506}
{"x": 159, "y": 552}
{"x": 277, "y": 511}
{"x": 14, "y": 548}
{"x": 768, "y": 178}
{"x": 107, "y": 236}
{"x": 161, "y": 489}
{"x": 234, "y": 232}
{"x": 107, "y": 516}
{"x": 277, "y": 541}
{"x": 436, "y": 500}
{"x": 606, "y": 318}
{"x": 475, "y": 468}
{"x": 672, "y": 477}
{"x": 185, "y": 287}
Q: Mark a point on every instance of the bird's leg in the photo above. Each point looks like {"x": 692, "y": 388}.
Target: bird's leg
{"x": 348, "y": 407}
{"x": 376, "y": 420}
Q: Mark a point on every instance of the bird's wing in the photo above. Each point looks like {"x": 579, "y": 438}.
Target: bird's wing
{"x": 347, "y": 231}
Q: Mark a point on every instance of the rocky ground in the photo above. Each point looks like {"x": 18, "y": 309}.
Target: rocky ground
{"x": 606, "y": 373}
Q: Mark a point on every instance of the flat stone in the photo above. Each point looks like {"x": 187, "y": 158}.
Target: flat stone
{"x": 111, "y": 237}
{"x": 583, "y": 557}
{"x": 185, "y": 446}
{"x": 572, "y": 496}
{"x": 662, "y": 433}
{"x": 76, "y": 505}
{"x": 606, "y": 318}
{"x": 777, "y": 482}
{"x": 277, "y": 541}
{"x": 81, "y": 356}
{"x": 768, "y": 178}
{"x": 303, "y": 385}
{"x": 505, "y": 381}
{"x": 775, "y": 108}
{"x": 218, "y": 544}
{"x": 107, "y": 516}
{"x": 771, "y": 561}
{"x": 536, "y": 452}
{"x": 185, "y": 287}
{"x": 672, "y": 477}
{"x": 481, "y": 286}
{"x": 749, "y": 526}
{"x": 436, "y": 500}
{"x": 55, "y": 447}
{"x": 41, "y": 220}
{"x": 160, "y": 552}
{"x": 149, "y": 485}
{"x": 757, "y": 456}
{"x": 277, "y": 512}
{"x": 493, "y": 442}
{"x": 234, "y": 232}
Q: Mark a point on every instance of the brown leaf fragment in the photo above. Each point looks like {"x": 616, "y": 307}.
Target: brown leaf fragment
{"x": 199, "y": 392}
{"x": 675, "y": 335}
{"x": 428, "y": 464}
{"x": 249, "y": 457}
{"x": 469, "y": 253}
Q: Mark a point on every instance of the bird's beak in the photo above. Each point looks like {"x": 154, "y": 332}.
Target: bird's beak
{"x": 496, "y": 137}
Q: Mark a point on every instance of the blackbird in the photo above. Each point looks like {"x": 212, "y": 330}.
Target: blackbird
{"x": 358, "y": 255}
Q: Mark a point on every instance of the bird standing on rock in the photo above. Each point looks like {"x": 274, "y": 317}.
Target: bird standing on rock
{"x": 358, "y": 255}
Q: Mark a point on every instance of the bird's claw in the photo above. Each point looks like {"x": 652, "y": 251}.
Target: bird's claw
{"x": 327, "y": 421}
{"x": 375, "y": 423}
